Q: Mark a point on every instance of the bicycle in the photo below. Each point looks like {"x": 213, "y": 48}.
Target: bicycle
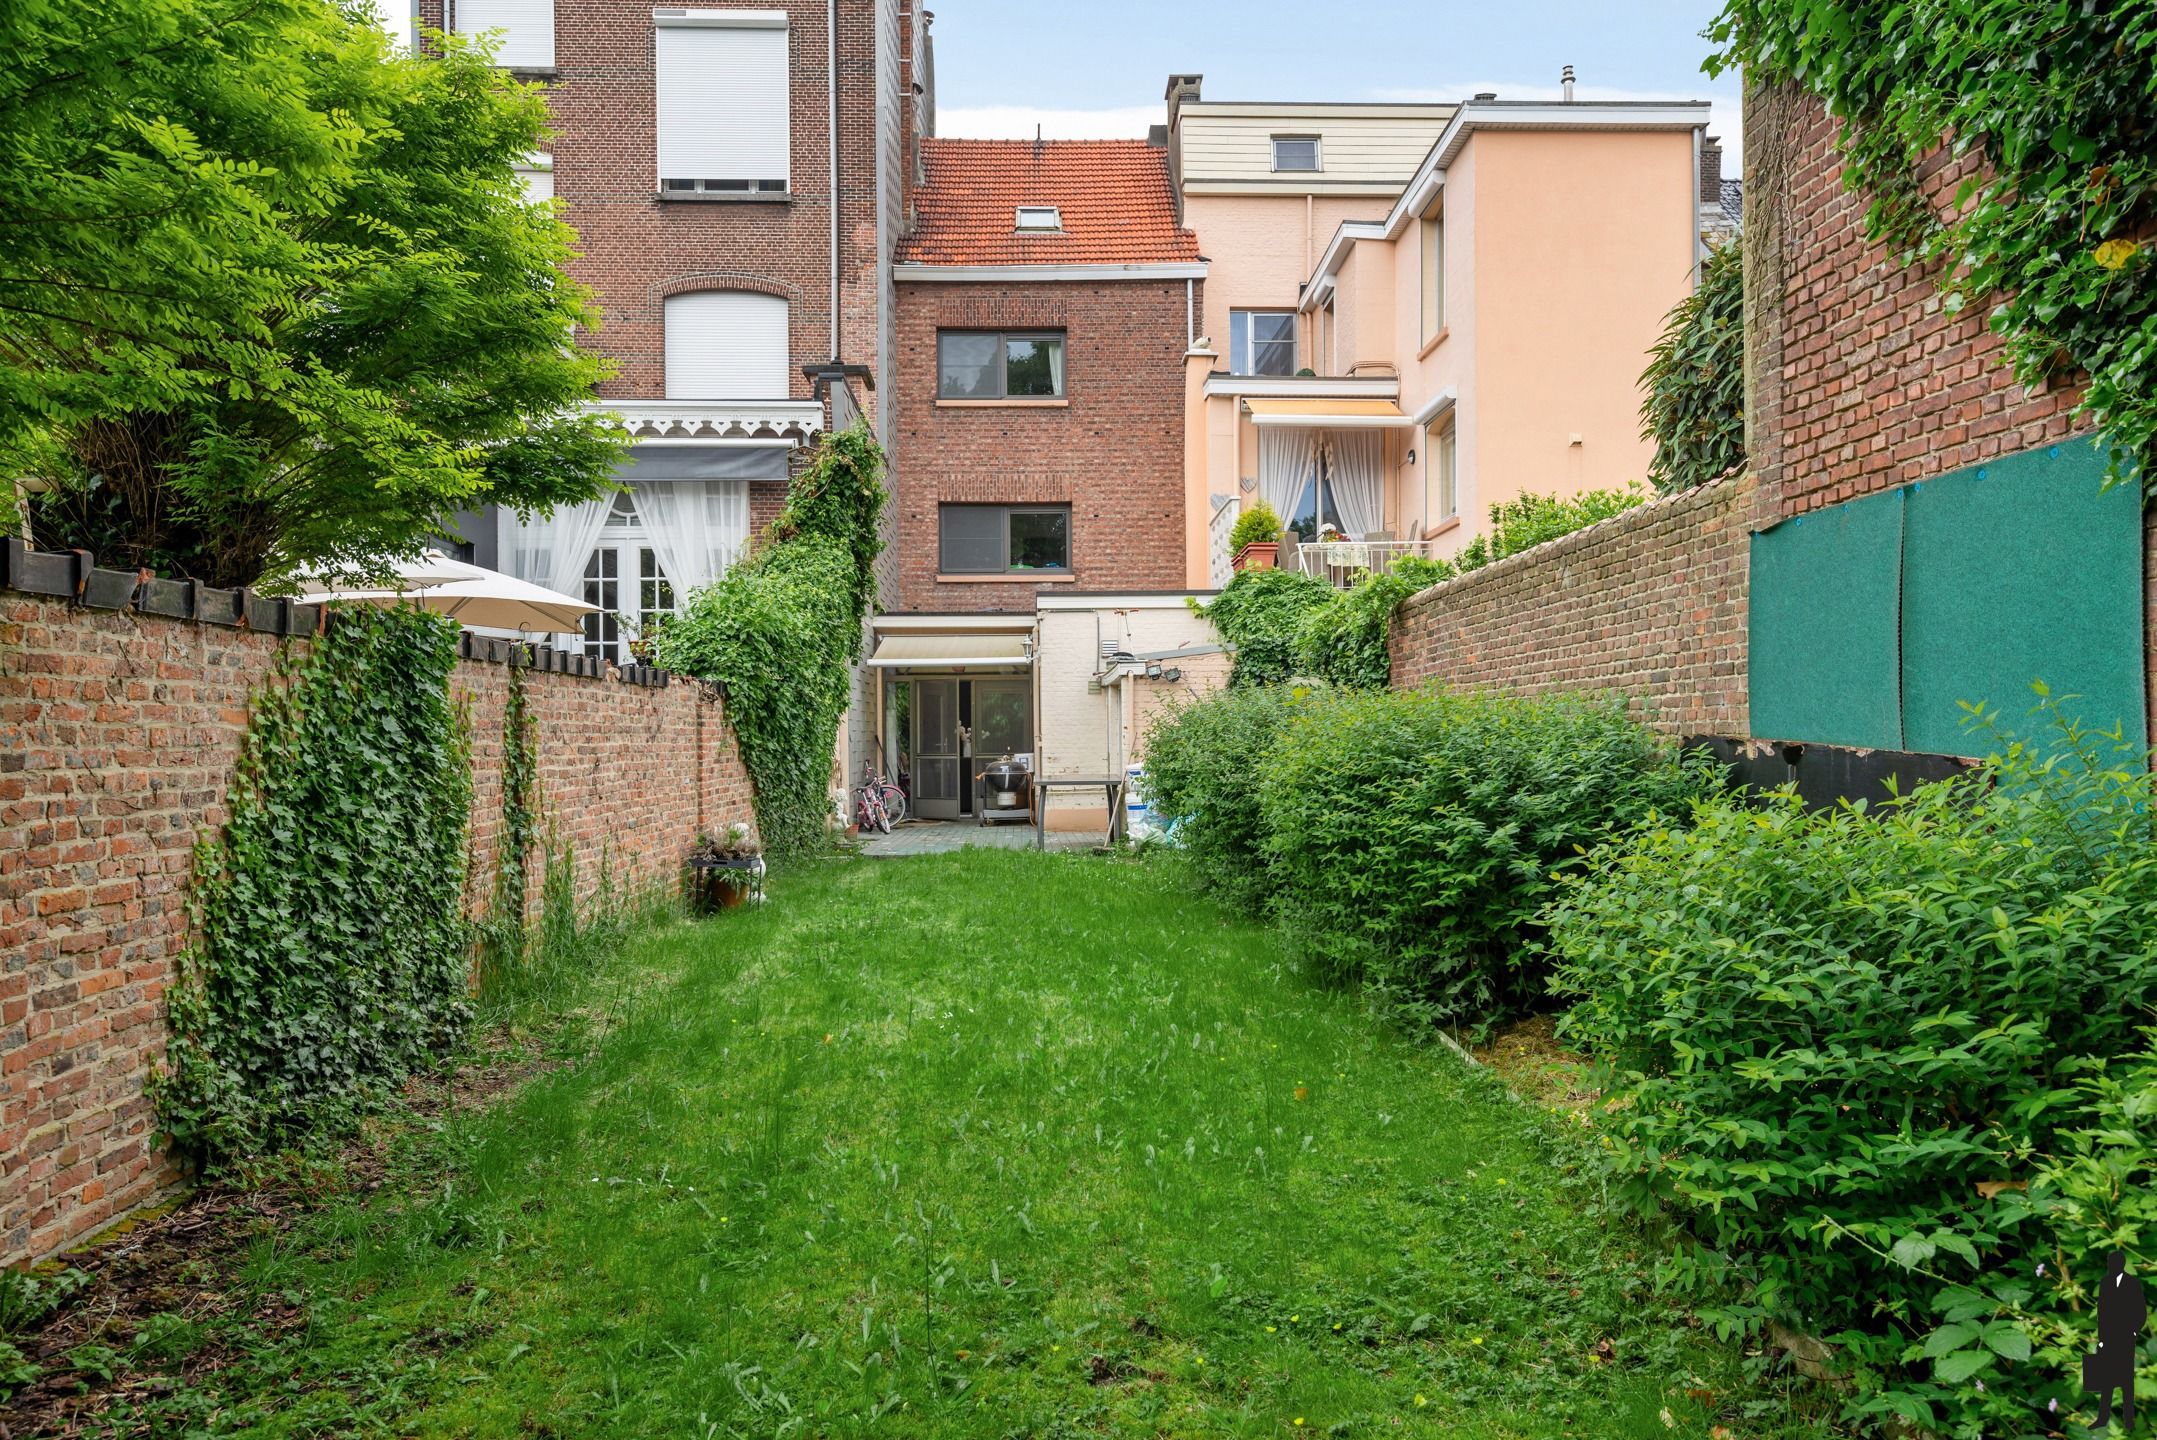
{"x": 878, "y": 804}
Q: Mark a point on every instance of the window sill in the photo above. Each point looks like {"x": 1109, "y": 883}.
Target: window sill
{"x": 531, "y": 74}
{"x": 1063, "y": 404}
{"x": 1013, "y": 577}
{"x": 1450, "y": 523}
{"x": 1434, "y": 342}
{"x": 708, "y": 197}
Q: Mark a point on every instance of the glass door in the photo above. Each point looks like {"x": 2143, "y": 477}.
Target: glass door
{"x": 937, "y": 767}
{"x": 1003, "y": 720}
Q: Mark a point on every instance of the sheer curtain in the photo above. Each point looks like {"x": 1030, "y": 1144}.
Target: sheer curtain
{"x": 1355, "y": 476}
{"x": 1056, "y": 368}
{"x": 696, "y": 526}
{"x": 550, "y": 550}
{"x": 1285, "y": 453}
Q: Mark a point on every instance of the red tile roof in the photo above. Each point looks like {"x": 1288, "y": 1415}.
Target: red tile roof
{"x": 1114, "y": 194}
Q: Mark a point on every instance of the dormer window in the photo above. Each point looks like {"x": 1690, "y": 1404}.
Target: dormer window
{"x": 1296, "y": 152}
{"x": 1039, "y": 220}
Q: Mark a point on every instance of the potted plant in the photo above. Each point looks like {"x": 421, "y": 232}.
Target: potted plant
{"x": 728, "y": 869}
{"x": 1255, "y": 542}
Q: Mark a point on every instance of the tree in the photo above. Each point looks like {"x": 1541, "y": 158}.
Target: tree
{"x": 272, "y": 298}
{"x": 1695, "y": 380}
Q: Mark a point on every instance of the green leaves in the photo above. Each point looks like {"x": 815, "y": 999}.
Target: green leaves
{"x": 1694, "y": 385}
{"x": 332, "y": 951}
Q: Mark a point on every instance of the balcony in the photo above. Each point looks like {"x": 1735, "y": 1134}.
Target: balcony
{"x": 1340, "y": 563}
{"x": 695, "y": 421}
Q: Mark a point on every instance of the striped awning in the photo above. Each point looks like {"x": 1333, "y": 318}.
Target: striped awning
{"x": 950, "y": 652}
{"x": 1328, "y": 414}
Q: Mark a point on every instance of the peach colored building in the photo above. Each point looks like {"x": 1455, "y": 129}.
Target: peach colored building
{"x": 1477, "y": 335}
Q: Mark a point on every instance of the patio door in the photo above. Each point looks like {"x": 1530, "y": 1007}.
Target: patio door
{"x": 937, "y": 775}
{"x": 1003, "y": 719}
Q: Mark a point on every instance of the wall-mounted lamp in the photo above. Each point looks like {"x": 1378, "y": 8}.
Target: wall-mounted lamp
{"x": 1411, "y": 457}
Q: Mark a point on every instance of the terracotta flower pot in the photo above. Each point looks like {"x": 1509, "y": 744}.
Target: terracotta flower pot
{"x": 1258, "y": 555}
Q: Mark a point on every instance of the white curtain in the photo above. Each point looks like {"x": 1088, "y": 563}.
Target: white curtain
{"x": 550, "y": 550}
{"x": 1285, "y": 453}
{"x": 1355, "y": 477}
{"x": 697, "y": 527}
{"x": 1056, "y": 369}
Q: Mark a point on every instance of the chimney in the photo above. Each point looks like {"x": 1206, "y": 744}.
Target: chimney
{"x": 1180, "y": 89}
{"x": 1566, "y": 84}
{"x": 1486, "y": 94}
{"x": 1711, "y": 171}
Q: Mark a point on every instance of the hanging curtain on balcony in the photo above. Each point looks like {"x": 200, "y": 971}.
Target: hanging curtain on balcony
{"x": 697, "y": 527}
{"x": 1355, "y": 478}
{"x": 550, "y": 550}
{"x": 1285, "y": 456}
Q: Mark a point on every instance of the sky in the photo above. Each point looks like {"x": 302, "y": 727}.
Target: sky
{"x": 1089, "y": 69}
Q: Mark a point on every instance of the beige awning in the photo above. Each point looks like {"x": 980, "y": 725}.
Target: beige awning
{"x": 1328, "y": 414}
{"x": 949, "y": 652}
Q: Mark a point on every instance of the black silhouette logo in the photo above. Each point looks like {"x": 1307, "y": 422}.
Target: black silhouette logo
{"x": 2111, "y": 1366}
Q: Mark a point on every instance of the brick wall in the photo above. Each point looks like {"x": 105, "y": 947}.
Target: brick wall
{"x": 1650, "y": 603}
{"x": 1114, "y": 452}
{"x": 118, "y": 732}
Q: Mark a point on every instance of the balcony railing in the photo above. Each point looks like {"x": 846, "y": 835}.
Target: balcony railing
{"x": 1342, "y": 562}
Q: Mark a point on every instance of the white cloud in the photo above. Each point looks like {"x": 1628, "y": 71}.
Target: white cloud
{"x": 1017, "y": 122}
{"x": 1725, "y": 117}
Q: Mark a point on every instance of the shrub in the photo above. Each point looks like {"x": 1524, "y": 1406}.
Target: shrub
{"x": 1259, "y": 614}
{"x": 1258, "y": 525}
{"x": 1344, "y": 640}
{"x": 1522, "y": 524}
{"x": 1411, "y": 836}
{"x": 1695, "y": 380}
{"x": 1202, "y": 765}
{"x": 1835, "y": 1042}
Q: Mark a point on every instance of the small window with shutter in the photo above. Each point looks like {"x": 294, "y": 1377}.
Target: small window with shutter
{"x": 724, "y": 122}
{"x": 523, "y": 30}
{"x": 726, "y": 345}
{"x": 1296, "y": 152}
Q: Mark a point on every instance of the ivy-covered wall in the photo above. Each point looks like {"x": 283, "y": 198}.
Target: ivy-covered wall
{"x": 118, "y": 736}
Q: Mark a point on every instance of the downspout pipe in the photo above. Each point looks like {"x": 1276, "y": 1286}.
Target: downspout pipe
{"x": 831, "y": 88}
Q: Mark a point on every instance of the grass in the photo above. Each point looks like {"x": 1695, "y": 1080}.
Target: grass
{"x": 989, "y": 1144}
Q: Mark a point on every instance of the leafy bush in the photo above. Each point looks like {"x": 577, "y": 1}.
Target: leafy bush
{"x": 1344, "y": 640}
{"x": 333, "y": 955}
{"x": 782, "y": 630}
{"x": 1257, "y": 525}
{"x": 1695, "y": 380}
{"x": 1412, "y": 836}
{"x": 1202, "y": 765}
{"x": 1522, "y": 524}
{"x": 1259, "y": 613}
{"x": 1836, "y": 1042}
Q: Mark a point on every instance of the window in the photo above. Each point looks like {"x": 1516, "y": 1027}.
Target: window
{"x": 992, "y": 365}
{"x": 1296, "y": 152}
{"x": 1441, "y": 455}
{"x": 624, "y": 578}
{"x": 723, "y": 116}
{"x": 1262, "y": 342}
{"x": 536, "y": 174}
{"x": 1039, "y": 219}
{"x": 1004, "y": 539}
{"x": 524, "y": 30}
{"x": 726, "y": 345}
{"x": 1433, "y": 277}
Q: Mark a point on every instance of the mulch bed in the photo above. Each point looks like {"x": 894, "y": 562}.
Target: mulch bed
{"x": 186, "y": 1260}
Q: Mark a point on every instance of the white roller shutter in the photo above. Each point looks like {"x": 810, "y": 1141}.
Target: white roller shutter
{"x": 527, "y": 41}
{"x": 723, "y": 97}
{"x": 726, "y": 345}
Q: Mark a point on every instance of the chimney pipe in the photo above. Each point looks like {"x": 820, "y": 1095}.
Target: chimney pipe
{"x": 1568, "y": 84}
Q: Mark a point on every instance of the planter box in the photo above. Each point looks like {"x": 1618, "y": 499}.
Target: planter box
{"x": 1258, "y": 555}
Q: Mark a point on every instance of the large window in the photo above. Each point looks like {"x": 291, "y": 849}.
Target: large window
{"x": 1433, "y": 277}
{"x": 524, "y": 29}
{"x": 1262, "y": 342}
{"x": 1296, "y": 152}
{"x": 1441, "y": 454}
{"x": 624, "y": 578}
{"x": 726, "y": 345}
{"x": 723, "y": 103}
{"x": 1004, "y": 539}
{"x": 995, "y": 365}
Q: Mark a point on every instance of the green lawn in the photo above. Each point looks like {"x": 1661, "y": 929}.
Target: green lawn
{"x": 991, "y": 1144}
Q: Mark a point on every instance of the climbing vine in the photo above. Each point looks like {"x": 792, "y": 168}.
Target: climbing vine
{"x": 1695, "y": 380}
{"x": 2055, "y": 226}
{"x": 502, "y": 941}
{"x": 330, "y": 951}
{"x": 782, "y": 630}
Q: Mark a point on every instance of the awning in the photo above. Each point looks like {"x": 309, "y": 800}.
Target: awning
{"x": 1328, "y": 414}
{"x": 947, "y": 652}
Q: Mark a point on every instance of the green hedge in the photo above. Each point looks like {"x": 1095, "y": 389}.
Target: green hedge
{"x": 1830, "y": 1039}
{"x": 1202, "y": 766}
{"x": 1411, "y": 836}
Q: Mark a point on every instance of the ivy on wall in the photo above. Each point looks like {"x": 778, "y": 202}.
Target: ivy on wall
{"x": 331, "y": 951}
{"x": 503, "y": 931}
{"x": 782, "y": 630}
{"x": 1695, "y": 380}
{"x": 2056, "y": 229}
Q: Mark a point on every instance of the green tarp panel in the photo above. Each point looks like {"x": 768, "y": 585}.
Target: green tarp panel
{"x": 1824, "y": 622}
{"x": 2018, "y": 570}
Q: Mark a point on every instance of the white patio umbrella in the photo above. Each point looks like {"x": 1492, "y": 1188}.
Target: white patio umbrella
{"x": 429, "y": 567}
{"x": 478, "y": 598}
